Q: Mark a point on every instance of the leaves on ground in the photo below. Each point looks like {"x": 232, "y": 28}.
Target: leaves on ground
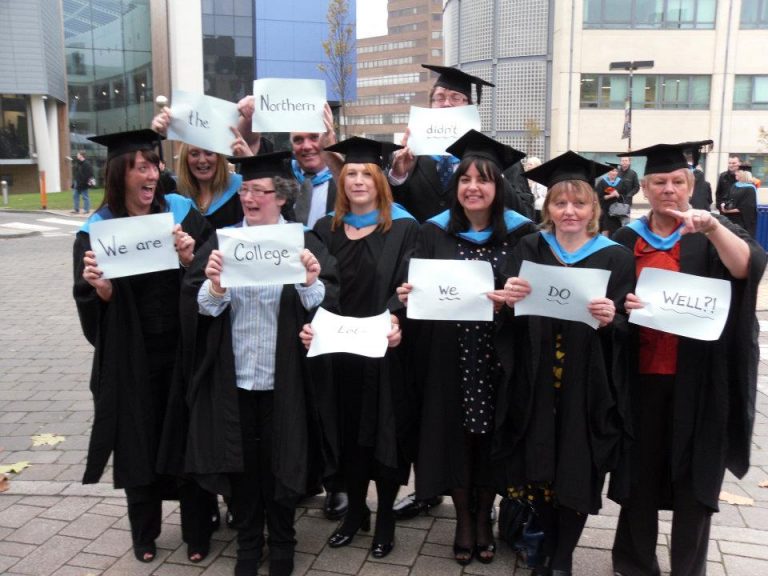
{"x": 47, "y": 440}
{"x": 736, "y": 499}
{"x": 14, "y": 468}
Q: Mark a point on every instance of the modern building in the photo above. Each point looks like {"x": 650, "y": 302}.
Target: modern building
{"x": 390, "y": 78}
{"x": 551, "y": 62}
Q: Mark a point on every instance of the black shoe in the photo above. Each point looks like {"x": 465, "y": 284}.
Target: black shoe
{"x": 335, "y": 506}
{"x": 145, "y": 552}
{"x": 462, "y": 555}
{"x": 381, "y": 550}
{"x": 409, "y": 507}
{"x": 489, "y": 551}
{"x": 280, "y": 566}
{"x": 339, "y": 538}
{"x": 561, "y": 573}
{"x": 247, "y": 567}
{"x": 197, "y": 552}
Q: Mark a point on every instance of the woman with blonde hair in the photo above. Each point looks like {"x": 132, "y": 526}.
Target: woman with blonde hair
{"x": 370, "y": 237}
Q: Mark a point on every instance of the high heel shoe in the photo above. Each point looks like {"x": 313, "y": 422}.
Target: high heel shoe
{"x": 341, "y": 538}
{"x": 489, "y": 550}
{"x": 145, "y": 552}
{"x": 381, "y": 550}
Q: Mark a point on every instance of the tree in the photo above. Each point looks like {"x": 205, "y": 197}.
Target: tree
{"x": 338, "y": 51}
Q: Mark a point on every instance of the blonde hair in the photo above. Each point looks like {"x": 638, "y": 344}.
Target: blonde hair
{"x": 189, "y": 186}
{"x": 383, "y": 198}
{"x": 582, "y": 191}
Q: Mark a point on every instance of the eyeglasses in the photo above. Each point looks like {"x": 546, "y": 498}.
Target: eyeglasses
{"x": 453, "y": 99}
{"x": 254, "y": 192}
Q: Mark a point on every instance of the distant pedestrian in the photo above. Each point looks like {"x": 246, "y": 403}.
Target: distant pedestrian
{"x": 82, "y": 179}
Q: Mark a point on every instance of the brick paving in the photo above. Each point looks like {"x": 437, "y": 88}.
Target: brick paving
{"x": 51, "y": 525}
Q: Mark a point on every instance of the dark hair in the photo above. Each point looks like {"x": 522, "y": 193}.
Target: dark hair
{"x": 114, "y": 182}
{"x": 490, "y": 170}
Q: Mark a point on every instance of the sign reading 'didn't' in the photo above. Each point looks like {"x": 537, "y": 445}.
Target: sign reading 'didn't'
{"x": 134, "y": 245}
{"x": 682, "y": 304}
{"x": 288, "y": 105}
{"x": 262, "y": 255}
{"x": 432, "y": 130}
{"x": 203, "y": 121}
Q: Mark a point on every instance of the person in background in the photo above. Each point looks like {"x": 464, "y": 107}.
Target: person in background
{"x": 561, "y": 418}
{"x": 538, "y": 190}
{"x": 741, "y": 205}
{"x": 701, "y": 198}
{"x": 456, "y": 363}
{"x": 250, "y": 413}
{"x": 133, "y": 323}
{"x": 629, "y": 177}
{"x": 692, "y": 401}
{"x": 726, "y": 180}
{"x": 167, "y": 178}
{"x": 82, "y": 179}
{"x": 611, "y": 189}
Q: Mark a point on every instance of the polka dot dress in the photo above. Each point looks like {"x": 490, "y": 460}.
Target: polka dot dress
{"x": 478, "y": 364}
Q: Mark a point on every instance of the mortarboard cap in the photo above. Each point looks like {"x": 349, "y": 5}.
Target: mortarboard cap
{"x": 568, "y": 166}
{"x": 122, "y": 142}
{"x": 262, "y": 166}
{"x": 475, "y": 143}
{"x": 746, "y": 167}
{"x": 664, "y": 158}
{"x": 458, "y": 80}
{"x": 358, "y": 150}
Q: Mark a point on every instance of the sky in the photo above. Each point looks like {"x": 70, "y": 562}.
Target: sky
{"x": 371, "y": 18}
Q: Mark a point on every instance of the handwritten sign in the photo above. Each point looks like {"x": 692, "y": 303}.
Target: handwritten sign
{"x": 361, "y": 336}
{"x": 203, "y": 121}
{"x": 262, "y": 255}
{"x": 450, "y": 290}
{"x": 682, "y": 304}
{"x": 434, "y": 129}
{"x": 288, "y": 105}
{"x": 135, "y": 245}
{"x": 561, "y": 292}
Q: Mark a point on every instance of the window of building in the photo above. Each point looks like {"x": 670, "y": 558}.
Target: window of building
{"x": 437, "y": 35}
{"x": 407, "y": 28}
{"x": 377, "y": 119}
{"x": 390, "y": 46}
{"x": 754, "y": 13}
{"x": 384, "y": 99}
{"x": 228, "y": 62}
{"x": 648, "y": 91}
{"x": 14, "y": 133}
{"x": 654, "y": 14}
{"x": 437, "y": 52}
{"x": 391, "y": 79}
{"x": 387, "y": 62}
{"x": 750, "y": 93}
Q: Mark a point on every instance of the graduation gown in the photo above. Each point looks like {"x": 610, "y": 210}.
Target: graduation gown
{"x": 213, "y": 444}
{"x": 226, "y": 210}
{"x": 744, "y": 197}
{"x": 387, "y": 420}
{"x": 573, "y": 450}
{"x": 126, "y": 408}
{"x": 716, "y": 382}
{"x": 422, "y": 194}
{"x": 441, "y": 455}
{"x": 608, "y": 222}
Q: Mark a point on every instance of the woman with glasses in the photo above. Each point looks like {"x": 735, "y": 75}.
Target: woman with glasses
{"x": 249, "y": 408}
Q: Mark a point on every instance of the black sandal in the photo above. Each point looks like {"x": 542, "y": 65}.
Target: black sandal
{"x": 489, "y": 550}
{"x": 462, "y": 555}
{"x": 145, "y": 552}
{"x": 198, "y": 550}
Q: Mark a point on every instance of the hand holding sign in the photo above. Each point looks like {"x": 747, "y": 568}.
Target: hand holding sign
{"x": 202, "y": 121}
{"x": 288, "y": 105}
{"x": 403, "y": 159}
{"x": 432, "y": 130}
{"x": 331, "y": 333}
{"x": 95, "y": 277}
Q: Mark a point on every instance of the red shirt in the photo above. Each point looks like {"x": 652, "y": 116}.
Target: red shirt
{"x": 658, "y": 350}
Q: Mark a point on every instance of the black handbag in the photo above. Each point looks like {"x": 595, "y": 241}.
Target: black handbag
{"x": 619, "y": 208}
{"x": 519, "y": 527}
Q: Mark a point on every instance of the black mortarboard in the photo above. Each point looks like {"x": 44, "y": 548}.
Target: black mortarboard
{"x": 475, "y": 143}
{"x": 122, "y": 142}
{"x": 568, "y": 166}
{"x": 358, "y": 150}
{"x": 664, "y": 158}
{"x": 263, "y": 165}
{"x": 458, "y": 80}
{"x": 746, "y": 167}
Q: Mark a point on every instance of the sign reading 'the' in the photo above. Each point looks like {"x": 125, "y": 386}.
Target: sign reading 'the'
{"x": 288, "y": 105}
{"x": 203, "y": 121}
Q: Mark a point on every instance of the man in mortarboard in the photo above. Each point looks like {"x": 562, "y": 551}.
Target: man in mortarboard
{"x": 251, "y": 376}
{"x": 420, "y": 184}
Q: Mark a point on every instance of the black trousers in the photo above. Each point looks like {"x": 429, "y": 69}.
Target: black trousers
{"x": 253, "y": 501}
{"x": 145, "y": 508}
{"x": 634, "y": 548}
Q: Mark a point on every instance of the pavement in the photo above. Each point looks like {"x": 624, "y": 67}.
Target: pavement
{"x": 52, "y": 525}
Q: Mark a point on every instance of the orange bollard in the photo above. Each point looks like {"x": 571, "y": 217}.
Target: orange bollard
{"x": 43, "y": 195}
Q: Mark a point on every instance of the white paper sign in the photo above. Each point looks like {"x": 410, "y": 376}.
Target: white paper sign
{"x": 434, "y": 129}
{"x": 203, "y": 121}
{"x": 361, "y": 336}
{"x": 135, "y": 245}
{"x": 682, "y": 304}
{"x": 288, "y": 105}
{"x": 262, "y": 255}
{"x": 450, "y": 290}
{"x": 561, "y": 292}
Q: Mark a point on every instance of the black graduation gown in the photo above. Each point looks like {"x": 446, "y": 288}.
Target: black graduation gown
{"x": 575, "y": 450}
{"x": 435, "y": 368}
{"x": 388, "y": 420}
{"x": 744, "y": 197}
{"x": 125, "y": 406}
{"x": 228, "y": 214}
{"x": 422, "y": 194}
{"x": 716, "y": 382}
{"x": 701, "y": 198}
{"x": 608, "y": 222}
{"x": 213, "y": 445}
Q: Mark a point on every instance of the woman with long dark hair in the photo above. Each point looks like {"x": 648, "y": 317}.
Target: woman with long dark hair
{"x": 456, "y": 362}
{"x": 133, "y": 324}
